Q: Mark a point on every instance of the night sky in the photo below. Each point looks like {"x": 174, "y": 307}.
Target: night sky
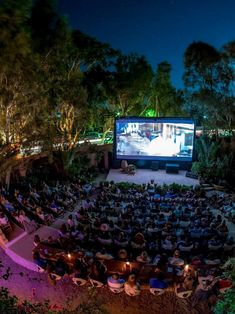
{"x": 159, "y": 29}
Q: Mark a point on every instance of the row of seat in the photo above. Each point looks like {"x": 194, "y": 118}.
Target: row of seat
{"x": 156, "y": 287}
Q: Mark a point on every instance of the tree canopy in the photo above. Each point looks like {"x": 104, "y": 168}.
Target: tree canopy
{"x": 209, "y": 84}
{"x": 57, "y": 82}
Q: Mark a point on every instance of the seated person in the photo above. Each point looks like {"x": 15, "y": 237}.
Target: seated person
{"x": 161, "y": 220}
{"x": 121, "y": 240}
{"x": 229, "y": 245}
{"x": 79, "y": 233}
{"x": 154, "y": 246}
{"x": 186, "y": 285}
{"x": 103, "y": 255}
{"x": 185, "y": 245}
{"x": 36, "y": 240}
{"x": 124, "y": 165}
{"x": 104, "y": 235}
{"x": 7, "y": 204}
{"x": 196, "y": 232}
{"x": 97, "y": 271}
{"x": 55, "y": 208}
{"x": 124, "y": 227}
{"x": 138, "y": 242}
{"x": 38, "y": 260}
{"x": 167, "y": 229}
{"x": 96, "y": 224}
{"x": 51, "y": 242}
{"x": 61, "y": 268}
{"x": 168, "y": 244}
{"x": 34, "y": 195}
{"x": 29, "y": 225}
{"x": 209, "y": 231}
{"x": 143, "y": 258}
{"x": 87, "y": 204}
{"x": 162, "y": 262}
{"x": 83, "y": 219}
{"x": 222, "y": 230}
{"x": 47, "y": 218}
{"x": 122, "y": 255}
{"x": 214, "y": 244}
{"x": 178, "y": 211}
{"x": 115, "y": 283}
{"x": 63, "y": 231}
{"x": 80, "y": 269}
{"x": 3, "y": 220}
{"x": 196, "y": 260}
{"x": 173, "y": 219}
{"x": 175, "y": 260}
{"x": 156, "y": 259}
{"x": 70, "y": 221}
{"x": 131, "y": 286}
{"x": 152, "y": 229}
{"x": 211, "y": 259}
{"x": 158, "y": 282}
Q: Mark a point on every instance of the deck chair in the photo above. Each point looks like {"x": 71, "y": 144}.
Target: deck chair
{"x": 79, "y": 281}
{"x": 156, "y": 291}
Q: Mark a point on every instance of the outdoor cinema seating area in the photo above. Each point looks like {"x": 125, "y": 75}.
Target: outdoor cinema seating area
{"x": 129, "y": 237}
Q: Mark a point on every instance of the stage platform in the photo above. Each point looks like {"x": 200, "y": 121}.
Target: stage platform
{"x": 145, "y": 175}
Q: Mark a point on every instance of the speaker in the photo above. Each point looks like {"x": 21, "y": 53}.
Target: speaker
{"x": 155, "y": 165}
{"x": 172, "y": 168}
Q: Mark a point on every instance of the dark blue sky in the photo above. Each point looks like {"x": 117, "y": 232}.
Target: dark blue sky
{"x": 159, "y": 29}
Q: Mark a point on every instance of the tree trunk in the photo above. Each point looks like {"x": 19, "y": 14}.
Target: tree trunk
{"x": 7, "y": 127}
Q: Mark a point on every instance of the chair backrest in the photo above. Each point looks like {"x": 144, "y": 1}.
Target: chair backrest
{"x": 40, "y": 269}
{"x": 185, "y": 248}
{"x": 115, "y": 287}
{"x": 96, "y": 283}
{"x": 214, "y": 247}
{"x": 184, "y": 224}
{"x": 184, "y": 294}
{"x": 225, "y": 285}
{"x": 223, "y": 290}
{"x": 114, "y": 290}
{"x": 228, "y": 247}
{"x": 113, "y": 219}
{"x": 156, "y": 291}
{"x": 105, "y": 242}
{"x": 79, "y": 281}
{"x": 6, "y": 228}
{"x": 212, "y": 262}
{"x": 55, "y": 276}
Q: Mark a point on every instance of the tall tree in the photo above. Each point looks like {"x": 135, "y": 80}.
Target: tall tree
{"x": 60, "y": 65}
{"x": 208, "y": 79}
{"x": 97, "y": 60}
{"x": 165, "y": 98}
{"x": 129, "y": 85}
{"x": 18, "y": 70}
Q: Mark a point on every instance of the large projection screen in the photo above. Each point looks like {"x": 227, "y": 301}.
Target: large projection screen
{"x": 154, "y": 138}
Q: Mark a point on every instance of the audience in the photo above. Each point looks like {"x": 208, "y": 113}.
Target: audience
{"x": 131, "y": 286}
{"x": 141, "y": 225}
{"x": 115, "y": 283}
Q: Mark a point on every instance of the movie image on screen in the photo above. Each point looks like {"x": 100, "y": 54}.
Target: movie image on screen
{"x": 157, "y": 138}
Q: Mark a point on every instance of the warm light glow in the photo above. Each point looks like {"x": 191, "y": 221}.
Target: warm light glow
{"x": 128, "y": 263}
{"x": 69, "y": 255}
{"x": 186, "y": 268}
